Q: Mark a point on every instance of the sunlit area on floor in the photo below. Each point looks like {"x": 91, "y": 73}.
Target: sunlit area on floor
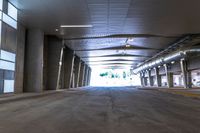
{"x": 113, "y": 77}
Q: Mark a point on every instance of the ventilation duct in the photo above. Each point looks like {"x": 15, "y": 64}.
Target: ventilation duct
{"x": 177, "y": 55}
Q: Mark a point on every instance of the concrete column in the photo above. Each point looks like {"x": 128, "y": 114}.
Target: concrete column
{"x": 145, "y": 81}
{"x": 169, "y": 76}
{"x": 85, "y": 76}
{"x": 89, "y": 76}
{"x": 19, "y": 71}
{"x": 150, "y": 78}
{"x": 186, "y": 74}
{"x": 54, "y": 62}
{"x": 82, "y": 73}
{"x": 34, "y": 61}
{"x": 142, "y": 79}
{"x": 189, "y": 77}
{"x": 158, "y": 77}
{"x": 77, "y": 67}
{"x": 68, "y": 67}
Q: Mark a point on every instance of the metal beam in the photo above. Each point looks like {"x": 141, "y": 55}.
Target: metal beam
{"x": 122, "y": 36}
{"x": 116, "y": 55}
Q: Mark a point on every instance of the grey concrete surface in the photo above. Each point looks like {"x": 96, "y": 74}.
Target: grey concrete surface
{"x": 34, "y": 61}
{"x": 68, "y": 66}
{"x": 54, "y": 46}
{"x": 19, "y": 70}
{"x": 77, "y": 68}
{"x": 102, "y": 110}
{"x": 81, "y": 76}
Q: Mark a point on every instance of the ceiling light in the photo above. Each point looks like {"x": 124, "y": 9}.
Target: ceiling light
{"x": 131, "y": 39}
{"x": 76, "y": 26}
{"x": 128, "y": 45}
{"x": 172, "y": 62}
{"x": 56, "y": 30}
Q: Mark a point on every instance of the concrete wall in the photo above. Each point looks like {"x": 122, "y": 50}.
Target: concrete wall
{"x": 34, "y": 61}
{"x": 19, "y": 71}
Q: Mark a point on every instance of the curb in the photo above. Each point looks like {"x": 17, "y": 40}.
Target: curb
{"x": 15, "y": 98}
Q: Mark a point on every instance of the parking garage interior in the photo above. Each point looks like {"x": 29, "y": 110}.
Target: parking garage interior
{"x": 99, "y": 66}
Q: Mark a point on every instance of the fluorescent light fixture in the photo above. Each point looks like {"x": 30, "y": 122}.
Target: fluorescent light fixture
{"x": 76, "y": 26}
{"x": 173, "y": 62}
{"x": 128, "y": 45}
{"x": 131, "y": 39}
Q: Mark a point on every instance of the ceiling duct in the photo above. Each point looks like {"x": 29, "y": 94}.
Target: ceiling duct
{"x": 167, "y": 59}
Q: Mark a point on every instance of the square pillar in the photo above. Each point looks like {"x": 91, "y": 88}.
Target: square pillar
{"x": 158, "y": 77}
{"x": 34, "y": 60}
{"x": 187, "y": 80}
{"x": 77, "y": 67}
{"x": 150, "y": 78}
{"x": 169, "y": 77}
{"x": 142, "y": 79}
{"x": 85, "y": 75}
{"x": 68, "y": 67}
{"x": 82, "y": 73}
{"x": 89, "y": 76}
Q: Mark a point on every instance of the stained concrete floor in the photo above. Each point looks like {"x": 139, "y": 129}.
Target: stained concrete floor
{"x": 102, "y": 110}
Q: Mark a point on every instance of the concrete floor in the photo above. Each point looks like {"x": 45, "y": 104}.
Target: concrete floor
{"x": 102, "y": 110}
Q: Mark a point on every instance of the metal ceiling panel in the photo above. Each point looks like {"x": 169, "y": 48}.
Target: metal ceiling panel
{"x": 131, "y": 58}
{"x": 115, "y": 52}
{"x": 158, "y": 17}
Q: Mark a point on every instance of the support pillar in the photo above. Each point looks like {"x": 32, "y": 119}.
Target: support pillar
{"x": 169, "y": 77}
{"x": 58, "y": 85}
{"x": 85, "y": 76}
{"x": 158, "y": 77}
{"x": 89, "y": 76}
{"x": 34, "y": 61}
{"x": 142, "y": 79}
{"x": 54, "y": 62}
{"x": 68, "y": 67}
{"x": 145, "y": 79}
{"x": 82, "y": 73}
{"x": 150, "y": 78}
{"x": 187, "y": 80}
{"x": 77, "y": 67}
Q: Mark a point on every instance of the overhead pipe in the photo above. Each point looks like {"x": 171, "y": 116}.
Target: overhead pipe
{"x": 166, "y": 59}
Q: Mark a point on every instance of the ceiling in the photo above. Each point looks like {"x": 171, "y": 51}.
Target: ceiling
{"x": 168, "y": 19}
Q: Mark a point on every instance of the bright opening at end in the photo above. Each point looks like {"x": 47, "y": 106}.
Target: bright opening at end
{"x": 113, "y": 77}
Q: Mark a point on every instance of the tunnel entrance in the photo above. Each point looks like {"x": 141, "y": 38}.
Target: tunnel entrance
{"x": 113, "y": 77}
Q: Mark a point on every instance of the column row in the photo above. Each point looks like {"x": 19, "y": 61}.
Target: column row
{"x": 50, "y": 65}
{"x": 153, "y": 77}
